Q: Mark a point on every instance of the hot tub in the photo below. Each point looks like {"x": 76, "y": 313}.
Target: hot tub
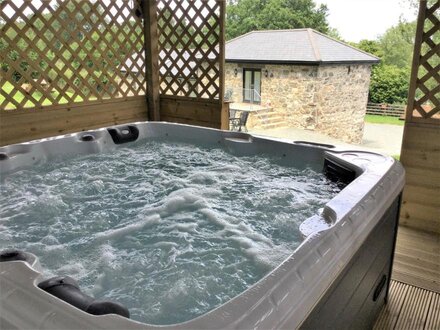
{"x": 338, "y": 277}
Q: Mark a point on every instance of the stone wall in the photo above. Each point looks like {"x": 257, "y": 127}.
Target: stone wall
{"x": 330, "y": 99}
{"x": 232, "y": 81}
{"x": 342, "y": 101}
{"x": 291, "y": 90}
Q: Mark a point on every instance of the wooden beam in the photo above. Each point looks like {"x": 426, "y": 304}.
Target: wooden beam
{"x": 224, "y": 106}
{"x": 222, "y": 50}
{"x": 224, "y": 125}
{"x": 151, "y": 45}
{"x": 416, "y": 61}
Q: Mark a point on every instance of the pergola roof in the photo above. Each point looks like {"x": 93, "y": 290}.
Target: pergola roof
{"x": 301, "y": 46}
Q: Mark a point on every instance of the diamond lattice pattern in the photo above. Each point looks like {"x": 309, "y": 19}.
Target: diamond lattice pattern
{"x": 427, "y": 96}
{"x": 61, "y": 52}
{"x": 189, "y": 56}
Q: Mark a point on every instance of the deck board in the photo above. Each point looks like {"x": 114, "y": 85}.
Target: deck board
{"x": 414, "y": 297}
{"x": 417, "y": 259}
{"x": 433, "y": 320}
{"x": 389, "y": 315}
{"x": 409, "y": 307}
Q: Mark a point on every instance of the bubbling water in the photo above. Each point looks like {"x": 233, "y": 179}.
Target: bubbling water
{"x": 170, "y": 230}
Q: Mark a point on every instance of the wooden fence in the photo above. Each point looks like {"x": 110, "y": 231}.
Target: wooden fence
{"x": 88, "y": 64}
{"x": 386, "y": 109}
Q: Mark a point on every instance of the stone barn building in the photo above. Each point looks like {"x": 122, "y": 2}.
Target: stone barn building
{"x": 299, "y": 78}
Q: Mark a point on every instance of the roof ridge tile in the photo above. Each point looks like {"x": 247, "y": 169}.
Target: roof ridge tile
{"x": 315, "y": 47}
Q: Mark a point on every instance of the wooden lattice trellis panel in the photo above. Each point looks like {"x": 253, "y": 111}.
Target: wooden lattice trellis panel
{"x": 424, "y": 94}
{"x": 190, "y": 51}
{"x": 420, "y": 146}
{"x": 64, "y": 52}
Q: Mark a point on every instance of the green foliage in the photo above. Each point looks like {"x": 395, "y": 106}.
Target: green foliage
{"x": 249, "y": 15}
{"x": 390, "y": 79}
{"x": 334, "y": 33}
{"x": 397, "y": 44}
{"x": 389, "y": 84}
{"x": 370, "y": 46}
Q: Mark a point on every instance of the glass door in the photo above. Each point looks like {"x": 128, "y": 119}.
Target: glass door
{"x": 251, "y": 85}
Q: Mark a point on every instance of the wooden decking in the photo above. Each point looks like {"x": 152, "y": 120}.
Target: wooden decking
{"x": 411, "y": 308}
{"x": 414, "y": 297}
{"x": 417, "y": 259}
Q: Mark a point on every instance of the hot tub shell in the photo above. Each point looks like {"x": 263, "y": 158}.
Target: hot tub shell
{"x": 337, "y": 278}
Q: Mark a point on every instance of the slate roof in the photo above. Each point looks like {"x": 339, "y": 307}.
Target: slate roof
{"x": 299, "y": 46}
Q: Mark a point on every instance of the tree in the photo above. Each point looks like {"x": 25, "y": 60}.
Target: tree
{"x": 248, "y": 15}
{"x": 389, "y": 84}
{"x": 390, "y": 79}
{"x": 370, "y": 46}
{"x": 334, "y": 33}
{"x": 397, "y": 44}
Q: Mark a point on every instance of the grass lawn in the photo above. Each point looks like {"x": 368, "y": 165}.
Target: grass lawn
{"x": 376, "y": 119}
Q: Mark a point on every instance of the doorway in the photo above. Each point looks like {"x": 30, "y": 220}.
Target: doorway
{"x": 252, "y": 85}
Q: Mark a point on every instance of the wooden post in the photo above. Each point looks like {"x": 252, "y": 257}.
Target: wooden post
{"x": 415, "y": 61}
{"x": 221, "y": 51}
{"x": 224, "y": 105}
{"x": 151, "y": 45}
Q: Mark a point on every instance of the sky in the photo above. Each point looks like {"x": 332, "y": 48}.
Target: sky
{"x": 366, "y": 19}
{"x": 354, "y": 19}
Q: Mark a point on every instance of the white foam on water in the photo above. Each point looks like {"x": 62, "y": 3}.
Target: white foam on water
{"x": 127, "y": 229}
{"x": 169, "y": 230}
